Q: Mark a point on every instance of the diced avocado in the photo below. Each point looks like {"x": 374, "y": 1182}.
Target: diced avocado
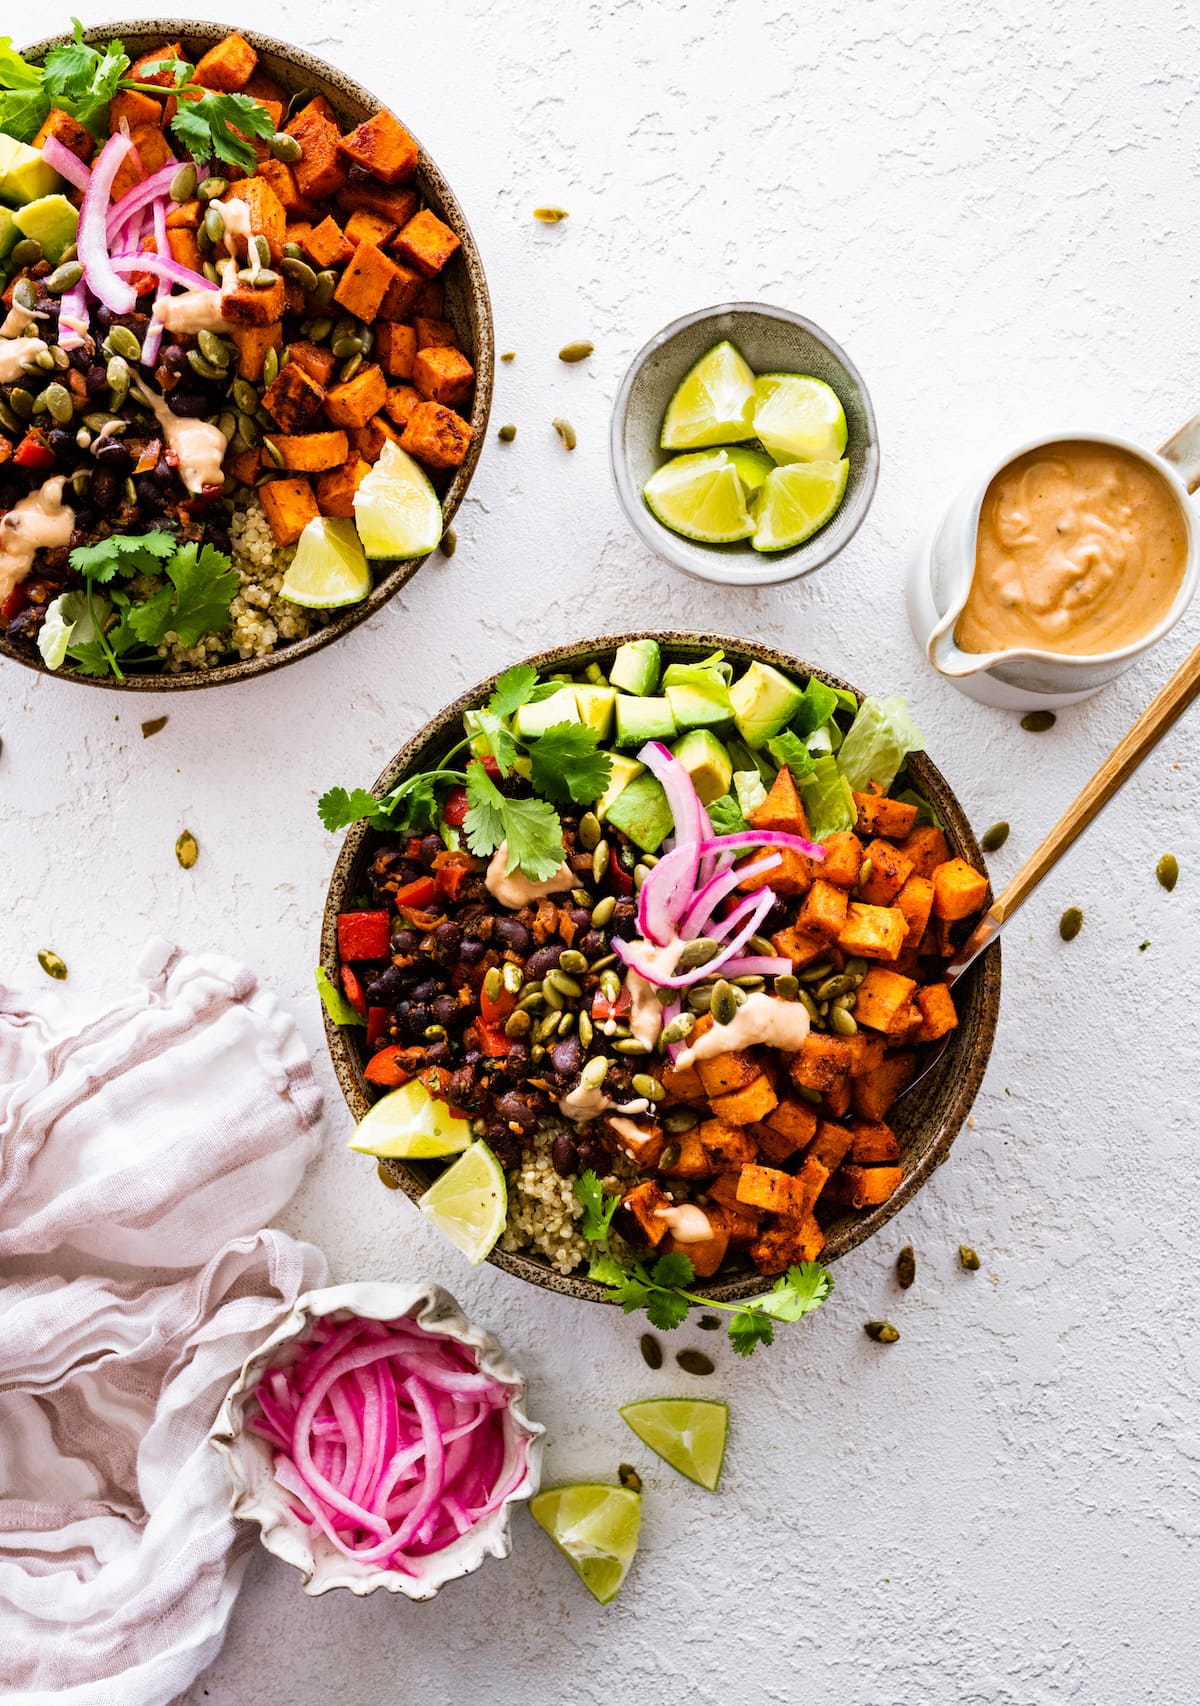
{"x": 763, "y": 703}
{"x": 641, "y": 719}
{"x": 623, "y": 772}
{"x": 52, "y": 220}
{"x": 596, "y": 708}
{"x": 534, "y": 719}
{"x": 642, "y": 812}
{"x": 695, "y": 707}
{"x": 24, "y": 175}
{"x": 636, "y": 666}
{"x": 706, "y": 762}
{"x": 9, "y": 235}
{"x": 749, "y": 789}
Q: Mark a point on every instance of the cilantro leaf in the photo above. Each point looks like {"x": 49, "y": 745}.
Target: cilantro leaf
{"x": 788, "y": 749}
{"x": 15, "y": 71}
{"x": 96, "y": 656}
{"x": 598, "y": 1209}
{"x": 338, "y": 809}
{"x": 512, "y": 690}
{"x": 531, "y": 828}
{"x": 486, "y": 725}
{"x": 796, "y": 1293}
{"x": 83, "y": 79}
{"x": 673, "y": 1269}
{"x": 632, "y": 1293}
{"x": 725, "y": 815}
{"x": 140, "y": 553}
{"x": 667, "y": 1309}
{"x": 749, "y": 1329}
{"x": 484, "y": 822}
{"x": 205, "y": 583}
{"x": 22, "y": 112}
{"x": 605, "y": 1269}
{"x": 412, "y": 808}
{"x": 335, "y": 1003}
{"x": 222, "y": 125}
{"x": 567, "y": 764}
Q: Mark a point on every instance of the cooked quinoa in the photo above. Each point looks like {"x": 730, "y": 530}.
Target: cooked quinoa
{"x": 543, "y": 1211}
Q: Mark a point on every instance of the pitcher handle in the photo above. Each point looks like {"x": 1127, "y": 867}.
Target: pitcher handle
{"x": 1182, "y": 450}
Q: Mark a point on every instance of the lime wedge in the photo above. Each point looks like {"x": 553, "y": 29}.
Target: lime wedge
{"x": 396, "y": 508}
{"x": 795, "y": 501}
{"x": 596, "y": 1528}
{"x": 714, "y": 403}
{"x": 799, "y": 419}
{"x": 701, "y": 497}
{"x": 469, "y": 1202}
{"x": 752, "y": 466}
{"x": 687, "y": 1433}
{"x": 411, "y": 1124}
{"x": 329, "y": 567}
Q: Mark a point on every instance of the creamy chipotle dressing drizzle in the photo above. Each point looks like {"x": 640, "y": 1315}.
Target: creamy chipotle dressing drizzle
{"x": 1081, "y": 548}
{"x": 18, "y": 320}
{"x": 14, "y": 353}
{"x": 645, "y": 1012}
{"x": 588, "y": 1102}
{"x": 687, "y": 1223}
{"x": 38, "y": 523}
{"x": 514, "y": 889}
{"x": 761, "y": 1019}
{"x": 634, "y": 1139}
{"x": 193, "y": 311}
{"x": 198, "y": 446}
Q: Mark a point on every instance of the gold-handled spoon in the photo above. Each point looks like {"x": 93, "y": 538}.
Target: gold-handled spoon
{"x": 1163, "y": 711}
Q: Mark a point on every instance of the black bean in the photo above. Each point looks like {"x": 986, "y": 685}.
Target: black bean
{"x": 194, "y": 404}
{"x": 446, "y": 939}
{"x": 96, "y": 380}
{"x": 415, "y": 1020}
{"x": 62, "y": 443}
{"x": 592, "y": 1153}
{"x": 471, "y": 953}
{"x": 624, "y": 914}
{"x": 562, "y": 1153}
{"x": 148, "y": 494}
{"x": 591, "y": 943}
{"x": 404, "y": 940}
{"x": 505, "y": 1145}
{"x": 113, "y": 454}
{"x": 426, "y": 989}
{"x": 438, "y": 1053}
{"x": 462, "y": 1091}
{"x": 381, "y": 991}
{"x": 541, "y": 961}
{"x": 103, "y": 488}
{"x": 515, "y": 1063}
{"x": 431, "y": 846}
{"x": 478, "y": 928}
{"x": 174, "y": 359}
{"x": 567, "y": 1056}
{"x": 445, "y": 1010}
{"x": 581, "y": 917}
{"x": 512, "y": 934}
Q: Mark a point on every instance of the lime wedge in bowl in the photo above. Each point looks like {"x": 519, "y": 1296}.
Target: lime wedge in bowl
{"x": 411, "y": 1125}
{"x": 700, "y": 497}
{"x": 752, "y": 466}
{"x": 396, "y": 509}
{"x": 595, "y": 1527}
{"x": 799, "y": 419}
{"x": 329, "y": 568}
{"x": 713, "y": 403}
{"x": 687, "y": 1433}
{"x": 469, "y": 1202}
{"x": 795, "y": 501}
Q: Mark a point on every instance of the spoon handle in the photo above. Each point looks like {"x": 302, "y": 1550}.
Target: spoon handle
{"x": 1163, "y": 711}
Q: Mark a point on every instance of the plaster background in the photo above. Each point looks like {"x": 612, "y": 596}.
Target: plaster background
{"x": 993, "y": 209}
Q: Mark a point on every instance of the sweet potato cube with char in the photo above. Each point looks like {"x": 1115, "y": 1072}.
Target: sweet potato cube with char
{"x": 282, "y": 180}
{"x": 770, "y": 1189}
{"x": 790, "y": 1240}
{"x": 184, "y": 215}
{"x": 791, "y": 1124}
{"x": 444, "y": 376}
{"x": 266, "y": 216}
{"x": 836, "y": 1100}
{"x": 882, "y": 995}
{"x": 937, "y": 1012}
{"x": 877, "y": 815}
{"x": 426, "y": 243}
{"x": 154, "y": 67}
{"x": 823, "y": 913}
{"x": 842, "y": 861}
{"x": 831, "y": 1145}
{"x": 890, "y": 870}
{"x": 248, "y": 306}
{"x": 290, "y": 506}
{"x": 925, "y": 849}
{"x": 822, "y": 1060}
{"x": 873, "y": 932}
{"x": 434, "y": 334}
{"x": 693, "y": 1160}
{"x": 876, "y": 1091}
{"x": 722, "y": 1073}
{"x": 315, "y": 359}
{"x": 782, "y": 808}
{"x": 401, "y": 401}
{"x": 294, "y": 399}
{"x": 150, "y": 148}
{"x": 131, "y": 110}
{"x": 866, "y": 1187}
{"x": 873, "y": 1144}
{"x": 368, "y": 441}
{"x": 326, "y": 246}
{"x": 791, "y": 876}
{"x": 67, "y": 131}
{"x": 705, "y": 1254}
{"x": 915, "y": 901}
{"x": 437, "y": 436}
{"x": 644, "y": 1202}
{"x": 354, "y": 401}
{"x": 866, "y": 1053}
{"x": 228, "y": 66}
{"x": 402, "y": 294}
{"x": 748, "y": 1106}
{"x": 312, "y": 452}
{"x": 382, "y": 147}
{"x": 320, "y": 170}
{"x": 184, "y": 248}
{"x": 741, "y": 1221}
{"x": 682, "y": 1084}
{"x": 244, "y": 468}
{"x": 336, "y": 488}
{"x": 643, "y": 1144}
{"x": 363, "y": 226}
{"x": 799, "y": 947}
{"x": 395, "y": 205}
{"x": 958, "y": 890}
{"x": 364, "y": 284}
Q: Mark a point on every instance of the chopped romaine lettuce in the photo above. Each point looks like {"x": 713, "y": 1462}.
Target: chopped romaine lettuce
{"x": 816, "y": 708}
{"x": 827, "y": 799}
{"x": 881, "y": 735}
{"x": 748, "y": 787}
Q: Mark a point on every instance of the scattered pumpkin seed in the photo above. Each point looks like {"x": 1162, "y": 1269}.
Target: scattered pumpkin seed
{"x": 518, "y": 1024}
{"x": 385, "y": 1178}
{"x": 649, "y": 1087}
{"x": 63, "y": 278}
{"x": 214, "y": 224}
{"x": 211, "y": 273}
{"x": 508, "y": 355}
{"x": 299, "y": 272}
{"x": 679, "y": 1029}
{"x": 577, "y": 351}
{"x": 201, "y": 368}
{"x": 1037, "y": 722}
{"x": 724, "y": 1003}
{"x": 59, "y": 402}
{"x": 599, "y": 860}
{"x": 678, "y": 1120}
{"x": 603, "y": 910}
{"x": 786, "y": 987}
{"x": 695, "y": 1362}
{"x": 506, "y": 434}
{"x": 186, "y": 850}
{"x": 322, "y": 296}
{"x": 319, "y": 330}
{"x": 586, "y": 1030}
{"x": 652, "y": 1353}
{"x": 210, "y": 189}
{"x": 183, "y": 184}
{"x": 122, "y": 341}
{"x": 283, "y": 147}
{"x": 448, "y": 544}
{"x": 589, "y": 836}
{"x": 572, "y": 961}
{"x": 1070, "y": 924}
{"x": 26, "y": 253}
{"x": 563, "y": 982}
{"x": 994, "y": 838}
{"x": 270, "y": 370}
{"x": 865, "y": 872}
{"x": 1167, "y": 871}
{"x": 816, "y": 973}
{"x": 812, "y": 1097}
{"x": 906, "y": 1267}
{"x": 565, "y": 431}
{"x": 547, "y": 1027}
{"x": 13, "y": 423}
{"x": 842, "y": 983}
{"x": 512, "y": 977}
{"x": 581, "y": 897}
{"x": 882, "y": 1332}
{"x": 349, "y": 368}
{"x": 709, "y": 1323}
{"x": 51, "y": 964}
{"x": 566, "y": 1022}
{"x": 697, "y": 952}
{"x": 553, "y": 997}
{"x": 610, "y": 985}
{"x": 20, "y": 401}
{"x": 550, "y": 215}
{"x": 273, "y": 451}
{"x": 493, "y": 983}
{"x": 154, "y": 726}
{"x": 595, "y": 1072}
{"x": 630, "y": 1045}
{"x": 843, "y": 1022}
{"x": 24, "y": 290}
{"x": 629, "y": 1478}
{"x": 968, "y": 1258}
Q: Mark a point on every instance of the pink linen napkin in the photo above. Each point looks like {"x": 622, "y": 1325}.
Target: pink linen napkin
{"x": 141, "y": 1153}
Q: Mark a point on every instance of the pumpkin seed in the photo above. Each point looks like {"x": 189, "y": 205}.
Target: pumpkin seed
{"x": 61, "y": 359}
{"x": 652, "y": 1353}
{"x": 244, "y": 395}
{"x": 537, "y": 1054}
{"x": 349, "y": 368}
{"x": 265, "y": 278}
{"x": 63, "y": 278}
{"x": 786, "y": 987}
{"x": 518, "y": 1024}
{"x": 994, "y": 838}
{"x": 109, "y": 426}
{"x": 493, "y": 983}
{"x": 603, "y": 910}
{"x": 697, "y": 952}
{"x": 81, "y": 481}
{"x": 581, "y": 897}
{"x": 51, "y": 964}
{"x": 435, "y": 1033}
{"x": 122, "y": 341}
{"x": 669, "y": 1157}
{"x": 547, "y": 1026}
{"x": 1037, "y": 722}
{"x": 448, "y": 543}
{"x": 572, "y": 961}
{"x": 201, "y": 368}
{"x": 865, "y": 872}
{"x": 322, "y": 296}
{"x": 319, "y": 330}
{"x": 227, "y": 423}
{"x": 699, "y": 998}
{"x": 647, "y": 1086}
{"x": 586, "y": 1030}
{"x": 599, "y": 860}
{"x": 1167, "y": 871}
{"x": 610, "y": 986}
{"x": 968, "y": 1258}
{"x": 590, "y": 833}
{"x": 216, "y": 350}
{"x": 270, "y": 371}
{"x": 249, "y": 433}
{"x": 679, "y": 1029}
{"x": 843, "y": 1022}
{"x": 211, "y": 272}
{"x": 678, "y": 1120}
{"x": 385, "y": 1177}
{"x": 550, "y": 215}
{"x": 273, "y": 451}
{"x": 595, "y": 1072}
{"x": 816, "y": 973}
{"x": 283, "y": 147}
{"x": 513, "y": 977}
{"x": 604, "y": 962}
{"x": 210, "y": 189}
{"x": 629, "y": 1478}
{"x": 640, "y": 873}
{"x": 857, "y": 968}
{"x": 153, "y": 726}
{"x": 751, "y": 981}
{"x": 299, "y": 272}
{"x": 724, "y": 1003}
{"x": 14, "y": 425}
{"x": 578, "y": 351}
{"x": 506, "y": 434}
{"x": 906, "y": 1267}
{"x": 553, "y": 997}
{"x": 20, "y": 401}
{"x": 563, "y": 983}
{"x": 630, "y": 1045}
{"x": 262, "y": 249}
{"x": 25, "y": 292}
{"x": 26, "y": 253}
{"x": 1070, "y": 924}
{"x": 183, "y": 184}
{"x": 882, "y": 1332}
{"x": 532, "y": 1000}
{"x": 59, "y": 402}
{"x": 841, "y": 984}
{"x": 812, "y": 1097}
{"x": 566, "y": 1022}
{"x": 565, "y": 431}
{"x": 695, "y": 1362}
{"x": 214, "y": 225}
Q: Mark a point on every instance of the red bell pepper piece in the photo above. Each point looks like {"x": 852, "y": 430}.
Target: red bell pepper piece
{"x": 452, "y": 871}
{"x": 364, "y": 935}
{"x": 377, "y": 1023}
{"x": 353, "y": 990}
{"x": 33, "y": 451}
{"x": 387, "y": 1068}
{"x": 622, "y": 881}
{"x": 455, "y": 809}
{"x": 13, "y": 604}
{"x": 412, "y": 849}
{"x": 492, "y": 1040}
{"x": 419, "y": 893}
{"x": 603, "y": 1008}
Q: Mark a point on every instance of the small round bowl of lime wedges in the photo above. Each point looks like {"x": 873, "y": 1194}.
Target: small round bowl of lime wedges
{"x": 743, "y": 445}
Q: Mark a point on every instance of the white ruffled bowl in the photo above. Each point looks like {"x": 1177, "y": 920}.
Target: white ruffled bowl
{"x": 258, "y": 1497}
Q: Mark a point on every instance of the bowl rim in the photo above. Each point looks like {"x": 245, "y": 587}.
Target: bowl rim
{"x": 986, "y": 974}
{"x": 430, "y": 178}
{"x": 801, "y": 560}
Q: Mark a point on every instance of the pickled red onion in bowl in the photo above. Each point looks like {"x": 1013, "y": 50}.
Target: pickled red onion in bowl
{"x": 379, "y": 1439}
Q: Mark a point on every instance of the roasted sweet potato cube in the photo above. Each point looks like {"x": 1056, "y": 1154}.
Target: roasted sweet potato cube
{"x": 154, "y": 67}
{"x": 316, "y": 360}
{"x": 705, "y": 1254}
{"x": 247, "y": 306}
{"x": 364, "y": 284}
{"x": 401, "y": 401}
{"x": 873, "y": 932}
{"x": 253, "y": 342}
{"x": 368, "y": 441}
{"x": 791, "y": 876}
{"x": 822, "y": 1060}
{"x": 290, "y": 506}
{"x": 184, "y": 214}
{"x": 282, "y": 181}
{"x": 151, "y": 151}
{"x": 770, "y": 1189}
{"x": 325, "y": 245}
{"x": 890, "y": 870}
{"x": 831, "y": 1145}
{"x": 823, "y": 913}
{"x": 877, "y": 1090}
{"x": 836, "y": 1100}
{"x": 734, "y": 1070}
{"x": 843, "y": 859}
{"x": 693, "y": 1160}
{"x": 741, "y": 1223}
{"x": 382, "y": 147}
{"x": 772, "y": 1148}
{"x": 748, "y": 1106}
{"x": 266, "y": 214}
{"x": 244, "y": 467}
{"x": 336, "y": 488}
{"x": 294, "y": 398}
{"x": 926, "y": 848}
{"x": 354, "y": 401}
{"x": 133, "y": 110}
{"x": 802, "y": 949}
{"x": 793, "y": 1122}
{"x": 865, "y": 1187}
{"x": 431, "y": 298}
{"x": 877, "y": 815}
{"x": 958, "y": 890}
{"x": 444, "y": 376}
{"x": 68, "y": 131}
{"x": 873, "y": 1143}
{"x": 434, "y": 334}
{"x": 682, "y": 1084}
{"x": 311, "y": 452}
{"x": 782, "y": 808}
{"x": 263, "y": 87}
{"x": 937, "y": 1012}
{"x": 403, "y": 292}
{"x": 437, "y": 436}
{"x": 790, "y": 1240}
{"x": 915, "y": 901}
{"x": 643, "y": 1144}
{"x": 320, "y": 170}
{"x": 395, "y": 205}
{"x": 363, "y": 226}
{"x": 426, "y": 243}
{"x": 644, "y": 1202}
{"x": 228, "y": 66}
{"x": 882, "y": 994}
{"x": 866, "y": 1053}
{"x": 184, "y": 248}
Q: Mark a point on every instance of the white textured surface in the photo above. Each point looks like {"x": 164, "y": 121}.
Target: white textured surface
{"x": 993, "y": 208}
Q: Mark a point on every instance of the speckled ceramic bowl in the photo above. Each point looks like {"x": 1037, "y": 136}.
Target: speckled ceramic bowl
{"x": 258, "y": 1497}
{"x": 468, "y": 308}
{"x": 926, "y": 1121}
{"x": 773, "y": 340}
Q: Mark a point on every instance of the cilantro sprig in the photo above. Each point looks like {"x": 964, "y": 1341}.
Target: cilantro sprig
{"x": 199, "y": 587}
{"x": 662, "y": 1289}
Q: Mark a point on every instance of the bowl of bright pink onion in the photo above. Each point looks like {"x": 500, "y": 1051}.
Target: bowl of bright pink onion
{"x": 379, "y": 1440}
